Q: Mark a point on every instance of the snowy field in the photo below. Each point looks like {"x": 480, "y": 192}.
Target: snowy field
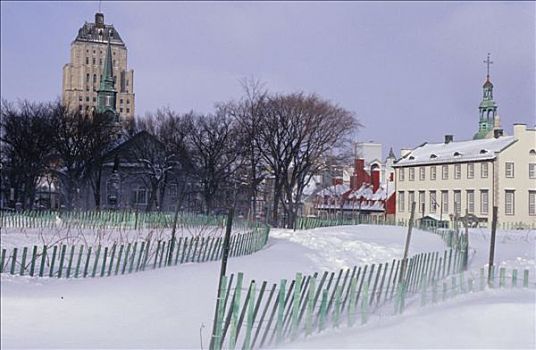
{"x": 173, "y": 307}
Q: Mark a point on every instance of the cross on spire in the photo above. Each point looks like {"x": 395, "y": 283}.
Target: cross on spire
{"x": 99, "y": 6}
{"x": 488, "y": 62}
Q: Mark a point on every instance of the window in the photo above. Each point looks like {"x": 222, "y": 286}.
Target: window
{"x": 484, "y": 202}
{"x": 128, "y": 110}
{"x": 401, "y": 174}
{"x": 140, "y": 195}
{"x": 87, "y": 60}
{"x": 87, "y": 87}
{"x": 470, "y": 171}
{"x": 484, "y": 170}
{"x": 470, "y": 201}
{"x": 80, "y": 108}
{"x": 421, "y": 173}
{"x": 94, "y": 78}
{"x": 127, "y": 82}
{"x": 509, "y": 202}
{"x": 100, "y": 61}
{"x": 411, "y": 174}
{"x": 80, "y": 98}
{"x": 94, "y": 99}
{"x": 128, "y": 102}
{"x": 87, "y": 78}
{"x": 445, "y": 172}
{"x": 532, "y": 170}
{"x": 411, "y": 199}
{"x": 433, "y": 173}
{"x": 509, "y": 169}
{"x": 444, "y": 202}
{"x": 433, "y": 201}
{"x": 401, "y": 201}
{"x": 457, "y": 202}
{"x": 457, "y": 171}
{"x": 532, "y": 203}
{"x": 121, "y": 110}
{"x": 87, "y": 98}
{"x": 121, "y": 101}
{"x": 422, "y": 206}
{"x": 94, "y": 60}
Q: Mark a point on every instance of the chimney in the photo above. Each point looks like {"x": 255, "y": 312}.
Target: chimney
{"x": 519, "y": 129}
{"x": 498, "y": 133}
{"x": 375, "y": 179}
{"x": 99, "y": 20}
{"x": 449, "y": 139}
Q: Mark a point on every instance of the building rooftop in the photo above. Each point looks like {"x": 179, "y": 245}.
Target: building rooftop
{"x": 99, "y": 32}
{"x": 454, "y": 152}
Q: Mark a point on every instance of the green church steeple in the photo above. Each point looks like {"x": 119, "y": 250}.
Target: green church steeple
{"x": 487, "y": 108}
{"x": 106, "y": 95}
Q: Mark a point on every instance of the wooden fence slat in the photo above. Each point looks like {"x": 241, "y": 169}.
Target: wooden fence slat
{"x": 261, "y": 320}
{"x": 32, "y": 265}
{"x": 88, "y": 257}
{"x": 62, "y": 257}
{"x": 52, "y": 261}
{"x": 96, "y": 262}
{"x": 79, "y": 261}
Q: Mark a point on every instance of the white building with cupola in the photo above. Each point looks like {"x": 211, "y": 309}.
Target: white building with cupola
{"x": 452, "y": 178}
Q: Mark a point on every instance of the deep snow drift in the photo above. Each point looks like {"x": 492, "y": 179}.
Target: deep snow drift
{"x": 173, "y": 307}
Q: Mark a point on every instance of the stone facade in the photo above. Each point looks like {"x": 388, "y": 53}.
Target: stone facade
{"x": 82, "y": 76}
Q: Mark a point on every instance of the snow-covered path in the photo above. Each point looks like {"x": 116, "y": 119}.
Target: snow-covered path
{"x": 173, "y": 307}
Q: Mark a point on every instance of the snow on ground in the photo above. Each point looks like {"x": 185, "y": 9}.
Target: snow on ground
{"x": 486, "y": 320}
{"x": 173, "y": 307}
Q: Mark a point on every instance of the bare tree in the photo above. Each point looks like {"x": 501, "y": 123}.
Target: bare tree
{"x": 26, "y": 150}
{"x": 247, "y": 113}
{"x": 215, "y": 146}
{"x": 297, "y": 135}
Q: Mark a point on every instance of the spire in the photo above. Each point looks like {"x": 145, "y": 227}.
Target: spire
{"x": 106, "y": 96}
{"x": 391, "y": 154}
{"x": 107, "y": 81}
{"x": 488, "y": 107}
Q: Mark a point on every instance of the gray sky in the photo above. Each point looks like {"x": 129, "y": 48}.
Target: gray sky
{"x": 411, "y": 71}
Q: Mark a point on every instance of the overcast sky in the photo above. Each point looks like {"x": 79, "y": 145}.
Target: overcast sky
{"x": 412, "y": 72}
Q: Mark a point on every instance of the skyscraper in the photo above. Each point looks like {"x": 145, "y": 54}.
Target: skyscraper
{"x": 83, "y": 76}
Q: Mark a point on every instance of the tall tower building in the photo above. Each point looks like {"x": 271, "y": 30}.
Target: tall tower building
{"x": 85, "y": 80}
{"x": 489, "y": 119}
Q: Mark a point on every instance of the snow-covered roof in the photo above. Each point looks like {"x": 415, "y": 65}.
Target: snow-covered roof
{"x": 454, "y": 152}
{"x": 336, "y": 190}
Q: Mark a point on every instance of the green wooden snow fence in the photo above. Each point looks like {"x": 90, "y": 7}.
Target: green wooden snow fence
{"x": 107, "y": 219}
{"x": 310, "y": 303}
{"x": 81, "y": 261}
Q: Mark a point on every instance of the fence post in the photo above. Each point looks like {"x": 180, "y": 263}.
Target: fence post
{"x": 502, "y": 276}
{"x": 526, "y": 278}
{"x": 492, "y": 244}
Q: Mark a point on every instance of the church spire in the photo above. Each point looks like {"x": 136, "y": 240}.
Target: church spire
{"x": 106, "y": 95}
{"x": 488, "y": 107}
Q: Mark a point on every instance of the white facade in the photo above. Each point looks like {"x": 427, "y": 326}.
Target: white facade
{"x": 449, "y": 178}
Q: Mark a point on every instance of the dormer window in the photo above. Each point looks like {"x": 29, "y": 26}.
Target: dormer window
{"x": 433, "y": 156}
{"x": 483, "y": 151}
{"x": 457, "y": 154}
{"x": 411, "y": 157}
